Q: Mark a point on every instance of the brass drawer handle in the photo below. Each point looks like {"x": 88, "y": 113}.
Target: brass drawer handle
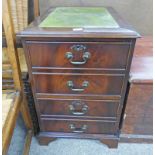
{"x": 78, "y": 130}
{"x": 86, "y": 55}
{"x": 74, "y": 110}
{"x": 70, "y": 84}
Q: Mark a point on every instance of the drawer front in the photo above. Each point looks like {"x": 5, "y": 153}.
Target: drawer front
{"x": 112, "y": 55}
{"x": 74, "y": 126}
{"x": 79, "y": 84}
{"x": 91, "y": 108}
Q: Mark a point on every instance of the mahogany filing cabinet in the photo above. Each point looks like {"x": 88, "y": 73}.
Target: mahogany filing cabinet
{"x": 79, "y": 60}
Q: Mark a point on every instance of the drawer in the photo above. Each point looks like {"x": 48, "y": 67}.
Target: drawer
{"x": 78, "y": 84}
{"x": 78, "y": 126}
{"x": 112, "y": 55}
{"x": 85, "y": 108}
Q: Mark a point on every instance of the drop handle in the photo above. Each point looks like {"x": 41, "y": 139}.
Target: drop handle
{"x": 77, "y": 48}
{"x": 70, "y": 84}
{"x": 83, "y": 111}
{"x": 82, "y": 129}
{"x": 85, "y": 57}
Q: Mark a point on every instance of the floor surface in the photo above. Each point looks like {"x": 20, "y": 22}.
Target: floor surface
{"x": 73, "y": 146}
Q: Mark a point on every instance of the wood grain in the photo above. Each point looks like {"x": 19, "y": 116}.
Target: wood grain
{"x": 11, "y": 50}
{"x": 125, "y": 31}
{"x": 45, "y": 138}
{"x": 62, "y": 108}
{"x": 13, "y": 56}
{"x": 102, "y": 54}
{"x": 142, "y": 63}
{"x": 107, "y": 71}
{"x": 98, "y": 84}
{"x": 27, "y": 142}
{"x": 139, "y": 110}
{"x": 138, "y": 120}
{"x": 93, "y": 127}
{"x": 36, "y": 8}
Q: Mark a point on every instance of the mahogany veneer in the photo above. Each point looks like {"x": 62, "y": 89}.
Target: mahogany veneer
{"x": 79, "y": 78}
{"x": 70, "y": 107}
{"x": 54, "y": 53}
{"x": 97, "y": 84}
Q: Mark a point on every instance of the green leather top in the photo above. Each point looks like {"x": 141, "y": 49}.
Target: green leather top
{"x": 79, "y": 17}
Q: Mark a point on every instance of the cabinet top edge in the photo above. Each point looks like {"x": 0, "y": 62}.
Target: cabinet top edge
{"x": 124, "y": 30}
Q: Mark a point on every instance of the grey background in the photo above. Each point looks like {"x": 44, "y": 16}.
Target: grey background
{"x": 139, "y": 13}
